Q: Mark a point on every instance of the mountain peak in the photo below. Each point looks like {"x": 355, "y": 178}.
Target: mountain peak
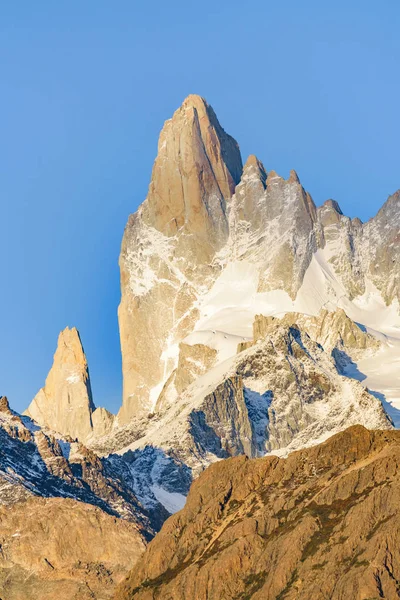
{"x": 293, "y": 177}
{"x": 196, "y": 170}
{"x": 194, "y": 101}
{"x": 333, "y": 205}
{"x": 273, "y": 175}
{"x": 254, "y": 166}
{"x": 65, "y": 403}
{"x": 4, "y": 405}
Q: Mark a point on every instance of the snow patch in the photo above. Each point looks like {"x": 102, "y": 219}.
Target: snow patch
{"x": 172, "y": 501}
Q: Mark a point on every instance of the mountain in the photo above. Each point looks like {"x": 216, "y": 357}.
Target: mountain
{"x": 213, "y": 245}
{"x": 254, "y": 326}
{"x": 65, "y": 403}
{"x": 322, "y": 523}
{"x": 279, "y": 392}
{"x": 36, "y": 462}
{"x": 66, "y": 515}
{"x": 251, "y": 321}
{"x": 177, "y": 230}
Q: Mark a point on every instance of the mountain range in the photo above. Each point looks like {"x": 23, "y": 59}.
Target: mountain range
{"x": 254, "y": 326}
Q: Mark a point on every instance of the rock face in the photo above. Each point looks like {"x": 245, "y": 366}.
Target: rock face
{"x": 331, "y": 329}
{"x": 196, "y": 170}
{"x": 64, "y": 549}
{"x": 213, "y": 245}
{"x": 321, "y": 524}
{"x": 66, "y": 516}
{"x": 169, "y": 245}
{"x": 65, "y": 403}
{"x": 143, "y": 485}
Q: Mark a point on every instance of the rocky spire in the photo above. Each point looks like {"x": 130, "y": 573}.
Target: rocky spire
{"x": 250, "y": 191}
{"x": 65, "y": 403}
{"x": 4, "y": 405}
{"x": 196, "y": 170}
{"x": 329, "y": 213}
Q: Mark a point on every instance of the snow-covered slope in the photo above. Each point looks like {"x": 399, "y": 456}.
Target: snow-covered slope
{"x": 279, "y": 392}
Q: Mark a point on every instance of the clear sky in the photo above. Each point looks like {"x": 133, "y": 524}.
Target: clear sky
{"x": 84, "y": 90}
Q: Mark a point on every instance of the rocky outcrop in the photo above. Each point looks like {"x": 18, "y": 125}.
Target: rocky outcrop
{"x": 34, "y": 462}
{"x": 5, "y": 406}
{"x": 320, "y": 524}
{"x": 64, "y": 549}
{"x": 196, "y": 170}
{"x": 221, "y": 426}
{"x": 380, "y": 250}
{"x": 193, "y": 362}
{"x": 102, "y": 421}
{"x": 65, "y": 403}
{"x": 329, "y": 328}
{"x": 361, "y": 254}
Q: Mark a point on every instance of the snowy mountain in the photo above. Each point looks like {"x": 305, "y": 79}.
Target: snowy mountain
{"x": 262, "y": 248}
{"x": 251, "y": 321}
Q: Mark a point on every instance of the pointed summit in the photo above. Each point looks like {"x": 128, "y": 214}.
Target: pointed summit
{"x": 293, "y": 177}
{"x": 273, "y": 177}
{"x": 196, "y": 170}
{"x": 194, "y": 176}
{"x": 65, "y": 403}
{"x": 329, "y": 213}
{"x": 333, "y": 205}
{"x": 4, "y": 405}
{"x": 254, "y": 166}
{"x": 250, "y": 191}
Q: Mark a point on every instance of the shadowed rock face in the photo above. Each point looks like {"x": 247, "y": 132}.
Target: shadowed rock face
{"x": 322, "y": 523}
{"x": 35, "y": 463}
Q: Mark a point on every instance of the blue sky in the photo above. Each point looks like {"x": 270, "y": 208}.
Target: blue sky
{"x": 84, "y": 90}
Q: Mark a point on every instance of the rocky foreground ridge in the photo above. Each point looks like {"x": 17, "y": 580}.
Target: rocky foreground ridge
{"x": 67, "y": 517}
{"x": 65, "y": 549}
{"x": 322, "y": 523}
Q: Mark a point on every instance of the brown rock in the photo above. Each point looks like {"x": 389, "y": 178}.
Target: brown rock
{"x": 328, "y": 328}
{"x": 4, "y": 405}
{"x": 60, "y": 548}
{"x": 321, "y": 524}
{"x": 195, "y": 172}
